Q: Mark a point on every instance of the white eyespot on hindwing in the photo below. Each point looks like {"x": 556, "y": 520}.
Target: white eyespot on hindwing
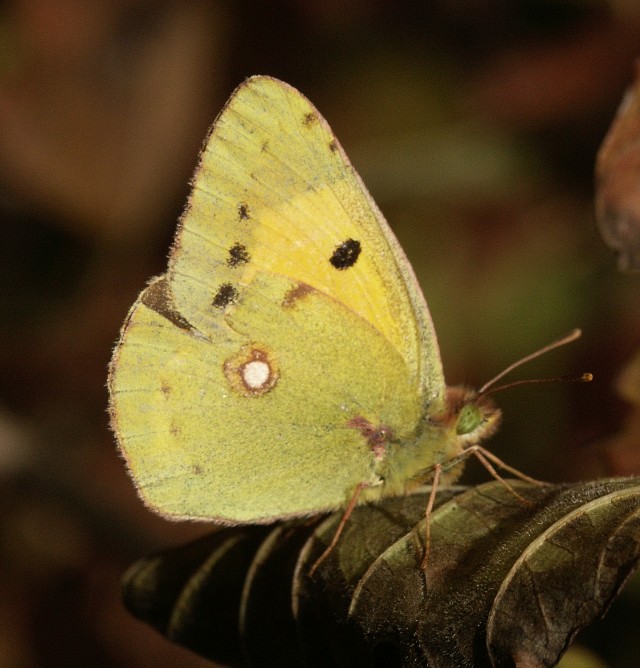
{"x": 252, "y": 371}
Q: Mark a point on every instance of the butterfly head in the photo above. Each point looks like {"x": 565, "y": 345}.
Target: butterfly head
{"x": 475, "y": 415}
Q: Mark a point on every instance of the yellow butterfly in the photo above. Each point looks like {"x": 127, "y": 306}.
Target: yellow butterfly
{"x": 286, "y": 363}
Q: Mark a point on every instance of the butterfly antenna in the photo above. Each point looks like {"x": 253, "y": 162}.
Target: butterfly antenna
{"x": 582, "y": 378}
{"x": 568, "y": 338}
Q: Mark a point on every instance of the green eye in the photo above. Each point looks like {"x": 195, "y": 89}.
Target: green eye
{"x": 469, "y": 419}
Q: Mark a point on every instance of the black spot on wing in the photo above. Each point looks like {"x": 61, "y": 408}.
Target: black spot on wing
{"x": 346, "y": 254}
{"x": 226, "y": 295}
{"x": 238, "y": 254}
{"x": 309, "y": 119}
{"x": 243, "y": 211}
{"x": 333, "y": 147}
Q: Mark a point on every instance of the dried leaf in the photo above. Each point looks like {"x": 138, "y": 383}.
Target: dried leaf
{"x": 618, "y": 182}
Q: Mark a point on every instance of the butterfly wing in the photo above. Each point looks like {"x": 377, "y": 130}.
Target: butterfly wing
{"x": 289, "y": 318}
{"x": 275, "y": 192}
{"x": 200, "y": 442}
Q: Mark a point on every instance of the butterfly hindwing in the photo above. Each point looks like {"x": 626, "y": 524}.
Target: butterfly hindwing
{"x": 201, "y": 442}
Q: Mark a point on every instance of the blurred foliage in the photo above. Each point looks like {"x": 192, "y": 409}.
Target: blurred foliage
{"x": 475, "y": 126}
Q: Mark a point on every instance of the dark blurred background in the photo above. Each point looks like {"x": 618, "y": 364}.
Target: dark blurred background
{"x": 475, "y": 125}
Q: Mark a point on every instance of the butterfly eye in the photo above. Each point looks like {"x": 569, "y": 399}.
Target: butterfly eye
{"x": 470, "y": 418}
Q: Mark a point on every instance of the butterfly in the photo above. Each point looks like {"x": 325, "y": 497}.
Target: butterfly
{"x": 286, "y": 363}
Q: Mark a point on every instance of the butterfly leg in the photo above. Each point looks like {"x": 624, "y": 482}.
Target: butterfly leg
{"x": 437, "y": 471}
{"x": 343, "y": 521}
{"x": 486, "y": 458}
{"x": 478, "y": 449}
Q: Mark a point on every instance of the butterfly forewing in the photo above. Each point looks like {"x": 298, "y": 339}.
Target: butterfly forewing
{"x": 274, "y": 192}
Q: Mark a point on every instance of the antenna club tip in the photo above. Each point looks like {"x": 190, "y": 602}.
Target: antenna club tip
{"x": 586, "y": 377}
